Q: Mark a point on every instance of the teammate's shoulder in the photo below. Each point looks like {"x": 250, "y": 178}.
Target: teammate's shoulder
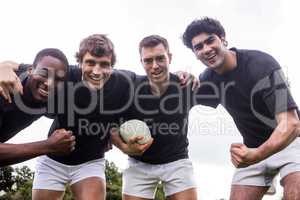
{"x": 206, "y": 75}
{"x": 259, "y": 64}
{"x": 74, "y": 73}
{"x": 256, "y": 58}
{"x": 121, "y": 73}
{"x": 174, "y": 77}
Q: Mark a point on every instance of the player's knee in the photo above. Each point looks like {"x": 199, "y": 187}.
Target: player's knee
{"x": 291, "y": 184}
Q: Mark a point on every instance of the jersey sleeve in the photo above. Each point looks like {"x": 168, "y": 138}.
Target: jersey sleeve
{"x": 260, "y": 65}
{"x": 22, "y": 71}
{"x": 208, "y": 92}
{"x": 129, "y": 75}
{"x": 74, "y": 73}
{"x": 277, "y": 95}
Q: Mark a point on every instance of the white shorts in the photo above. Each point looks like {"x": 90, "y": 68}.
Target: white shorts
{"x": 53, "y": 175}
{"x": 262, "y": 174}
{"x": 141, "y": 179}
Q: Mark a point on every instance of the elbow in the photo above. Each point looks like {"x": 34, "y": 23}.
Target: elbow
{"x": 296, "y": 128}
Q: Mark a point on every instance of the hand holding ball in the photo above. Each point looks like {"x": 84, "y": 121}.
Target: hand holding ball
{"x": 133, "y": 128}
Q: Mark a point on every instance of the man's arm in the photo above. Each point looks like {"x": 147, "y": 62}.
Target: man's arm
{"x": 10, "y": 64}
{"x": 60, "y": 142}
{"x": 287, "y": 130}
{"x": 16, "y": 153}
{"x": 279, "y": 101}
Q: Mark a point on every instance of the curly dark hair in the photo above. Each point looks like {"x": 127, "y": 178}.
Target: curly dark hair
{"x": 203, "y": 25}
{"x": 97, "y": 45}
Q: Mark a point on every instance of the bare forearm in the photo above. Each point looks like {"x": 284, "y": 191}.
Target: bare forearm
{"x": 281, "y": 137}
{"x": 15, "y": 153}
{"x": 10, "y": 64}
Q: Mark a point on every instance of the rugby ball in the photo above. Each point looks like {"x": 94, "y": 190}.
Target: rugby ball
{"x": 133, "y": 128}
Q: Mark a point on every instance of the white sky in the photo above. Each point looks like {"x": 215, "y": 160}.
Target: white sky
{"x": 269, "y": 25}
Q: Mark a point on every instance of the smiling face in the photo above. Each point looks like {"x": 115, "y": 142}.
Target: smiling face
{"x": 46, "y": 77}
{"x": 156, "y": 62}
{"x": 210, "y": 50}
{"x": 96, "y": 70}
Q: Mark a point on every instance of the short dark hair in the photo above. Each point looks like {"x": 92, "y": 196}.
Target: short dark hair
{"x": 204, "y": 25}
{"x": 55, "y": 53}
{"x": 152, "y": 41}
{"x": 97, "y": 45}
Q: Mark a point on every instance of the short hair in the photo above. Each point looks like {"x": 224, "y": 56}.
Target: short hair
{"x": 204, "y": 25}
{"x": 152, "y": 41}
{"x": 97, "y": 45}
{"x": 53, "y": 52}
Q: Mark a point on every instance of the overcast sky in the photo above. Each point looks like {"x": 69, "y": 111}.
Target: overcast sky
{"x": 269, "y": 25}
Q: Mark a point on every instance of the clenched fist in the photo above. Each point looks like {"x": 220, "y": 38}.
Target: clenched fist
{"x": 61, "y": 142}
{"x": 242, "y": 156}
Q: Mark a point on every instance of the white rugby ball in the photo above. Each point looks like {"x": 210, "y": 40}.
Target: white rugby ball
{"x": 133, "y": 128}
